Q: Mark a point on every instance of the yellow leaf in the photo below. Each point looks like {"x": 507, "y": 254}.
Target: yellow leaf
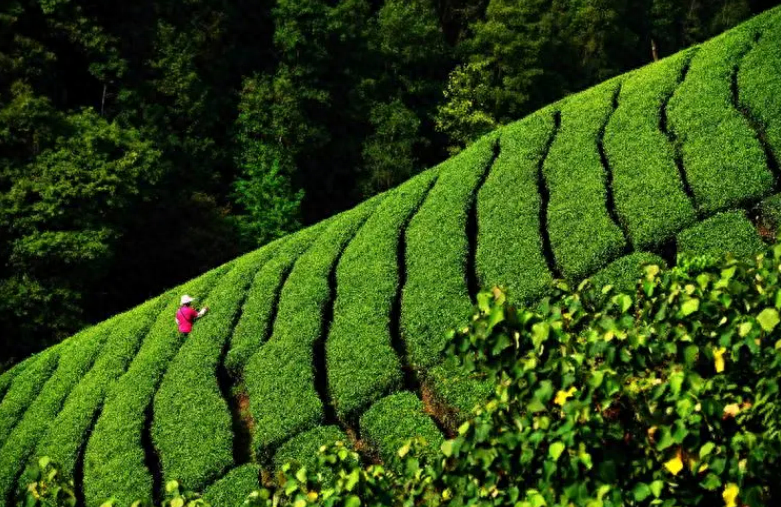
{"x": 675, "y": 465}
{"x": 718, "y": 358}
{"x": 730, "y": 495}
{"x": 563, "y": 396}
{"x": 731, "y": 410}
{"x": 312, "y": 496}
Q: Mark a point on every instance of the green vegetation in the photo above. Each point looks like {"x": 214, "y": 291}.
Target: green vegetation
{"x": 233, "y": 489}
{"x": 582, "y": 234}
{"x": 24, "y": 388}
{"x": 254, "y": 326}
{"x": 66, "y": 437}
{"x": 7, "y": 377}
{"x": 114, "y": 460}
{"x": 728, "y": 232}
{"x": 621, "y": 275}
{"x": 436, "y": 257}
{"x": 724, "y": 162}
{"x": 508, "y": 211}
{"x": 649, "y": 194}
{"x": 361, "y": 362}
{"x": 345, "y": 329}
{"x": 390, "y": 422}
{"x": 304, "y": 448}
{"x": 758, "y": 90}
{"x": 76, "y": 359}
{"x": 280, "y": 377}
{"x": 189, "y": 404}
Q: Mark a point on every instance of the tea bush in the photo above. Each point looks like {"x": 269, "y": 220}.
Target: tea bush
{"x": 648, "y": 191}
{"x": 24, "y": 387}
{"x": 67, "y": 435}
{"x": 232, "y": 489}
{"x": 621, "y": 275}
{"x": 724, "y": 162}
{"x": 304, "y": 448}
{"x": 393, "y": 420}
{"x": 583, "y": 236}
{"x": 254, "y": 326}
{"x": 361, "y": 362}
{"x": 508, "y": 211}
{"x": 758, "y": 85}
{"x": 189, "y": 404}
{"x": 114, "y": 460}
{"x": 437, "y": 247}
{"x": 9, "y": 375}
{"x": 729, "y": 232}
{"x": 280, "y": 377}
{"x": 76, "y": 358}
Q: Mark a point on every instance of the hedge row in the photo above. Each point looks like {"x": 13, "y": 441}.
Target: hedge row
{"x": 648, "y": 191}
{"x": 233, "y": 489}
{"x": 67, "y": 436}
{"x": 508, "y": 211}
{"x": 459, "y": 393}
{"x": 583, "y": 236}
{"x": 728, "y": 232}
{"x": 189, "y": 404}
{"x": 769, "y": 215}
{"x": 9, "y": 375}
{"x": 436, "y": 297}
{"x": 280, "y": 376}
{"x": 622, "y": 274}
{"x": 304, "y": 448}
{"x": 24, "y": 388}
{"x": 723, "y": 159}
{"x": 395, "y": 419}
{"x": 758, "y": 82}
{"x": 361, "y": 362}
{"x": 114, "y": 461}
{"x": 255, "y": 325}
{"x": 76, "y": 359}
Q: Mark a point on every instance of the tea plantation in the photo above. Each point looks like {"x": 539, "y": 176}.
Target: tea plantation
{"x": 338, "y": 331}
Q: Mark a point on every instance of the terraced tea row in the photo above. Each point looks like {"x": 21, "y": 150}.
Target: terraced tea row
{"x": 337, "y": 331}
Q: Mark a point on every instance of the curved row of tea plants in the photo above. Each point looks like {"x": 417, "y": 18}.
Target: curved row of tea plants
{"x": 343, "y": 325}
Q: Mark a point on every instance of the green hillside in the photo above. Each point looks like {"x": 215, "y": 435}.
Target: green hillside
{"x": 338, "y": 330}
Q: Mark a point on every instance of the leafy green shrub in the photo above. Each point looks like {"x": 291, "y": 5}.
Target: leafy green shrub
{"x": 114, "y": 458}
{"x": 76, "y": 358}
{"x": 305, "y": 447}
{"x": 728, "y": 232}
{"x": 648, "y": 191}
{"x": 457, "y": 392}
{"x": 665, "y": 398}
{"x": 508, "y": 211}
{"x": 769, "y": 215}
{"x": 361, "y": 362}
{"x": 67, "y": 435}
{"x": 280, "y": 376}
{"x": 723, "y": 159}
{"x": 9, "y": 375}
{"x": 49, "y": 488}
{"x": 395, "y": 419}
{"x": 435, "y": 297}
{"x": 255, "y": 324}
{"x": 233, "y": 489}
{"x": 583, "y": 236}
{"x": 189, "y": 403}
{"x": 24, "y": 388}
{"x": 622, "y": 274}
{"x": 758, "y": 82}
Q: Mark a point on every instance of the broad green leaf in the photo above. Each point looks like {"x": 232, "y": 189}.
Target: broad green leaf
{"x": 768, "y": 319}
{"x": 690, "y": 306}
{"x": 556, "y": 448}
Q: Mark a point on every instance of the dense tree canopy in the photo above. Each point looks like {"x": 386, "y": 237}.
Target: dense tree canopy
{"x": 143, "y": 142}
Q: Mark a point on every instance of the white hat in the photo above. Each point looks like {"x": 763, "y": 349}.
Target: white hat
{"x": 186, "y": 299}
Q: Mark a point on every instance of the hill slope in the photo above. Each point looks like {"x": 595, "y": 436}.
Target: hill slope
{"x": 337, "y": 330}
